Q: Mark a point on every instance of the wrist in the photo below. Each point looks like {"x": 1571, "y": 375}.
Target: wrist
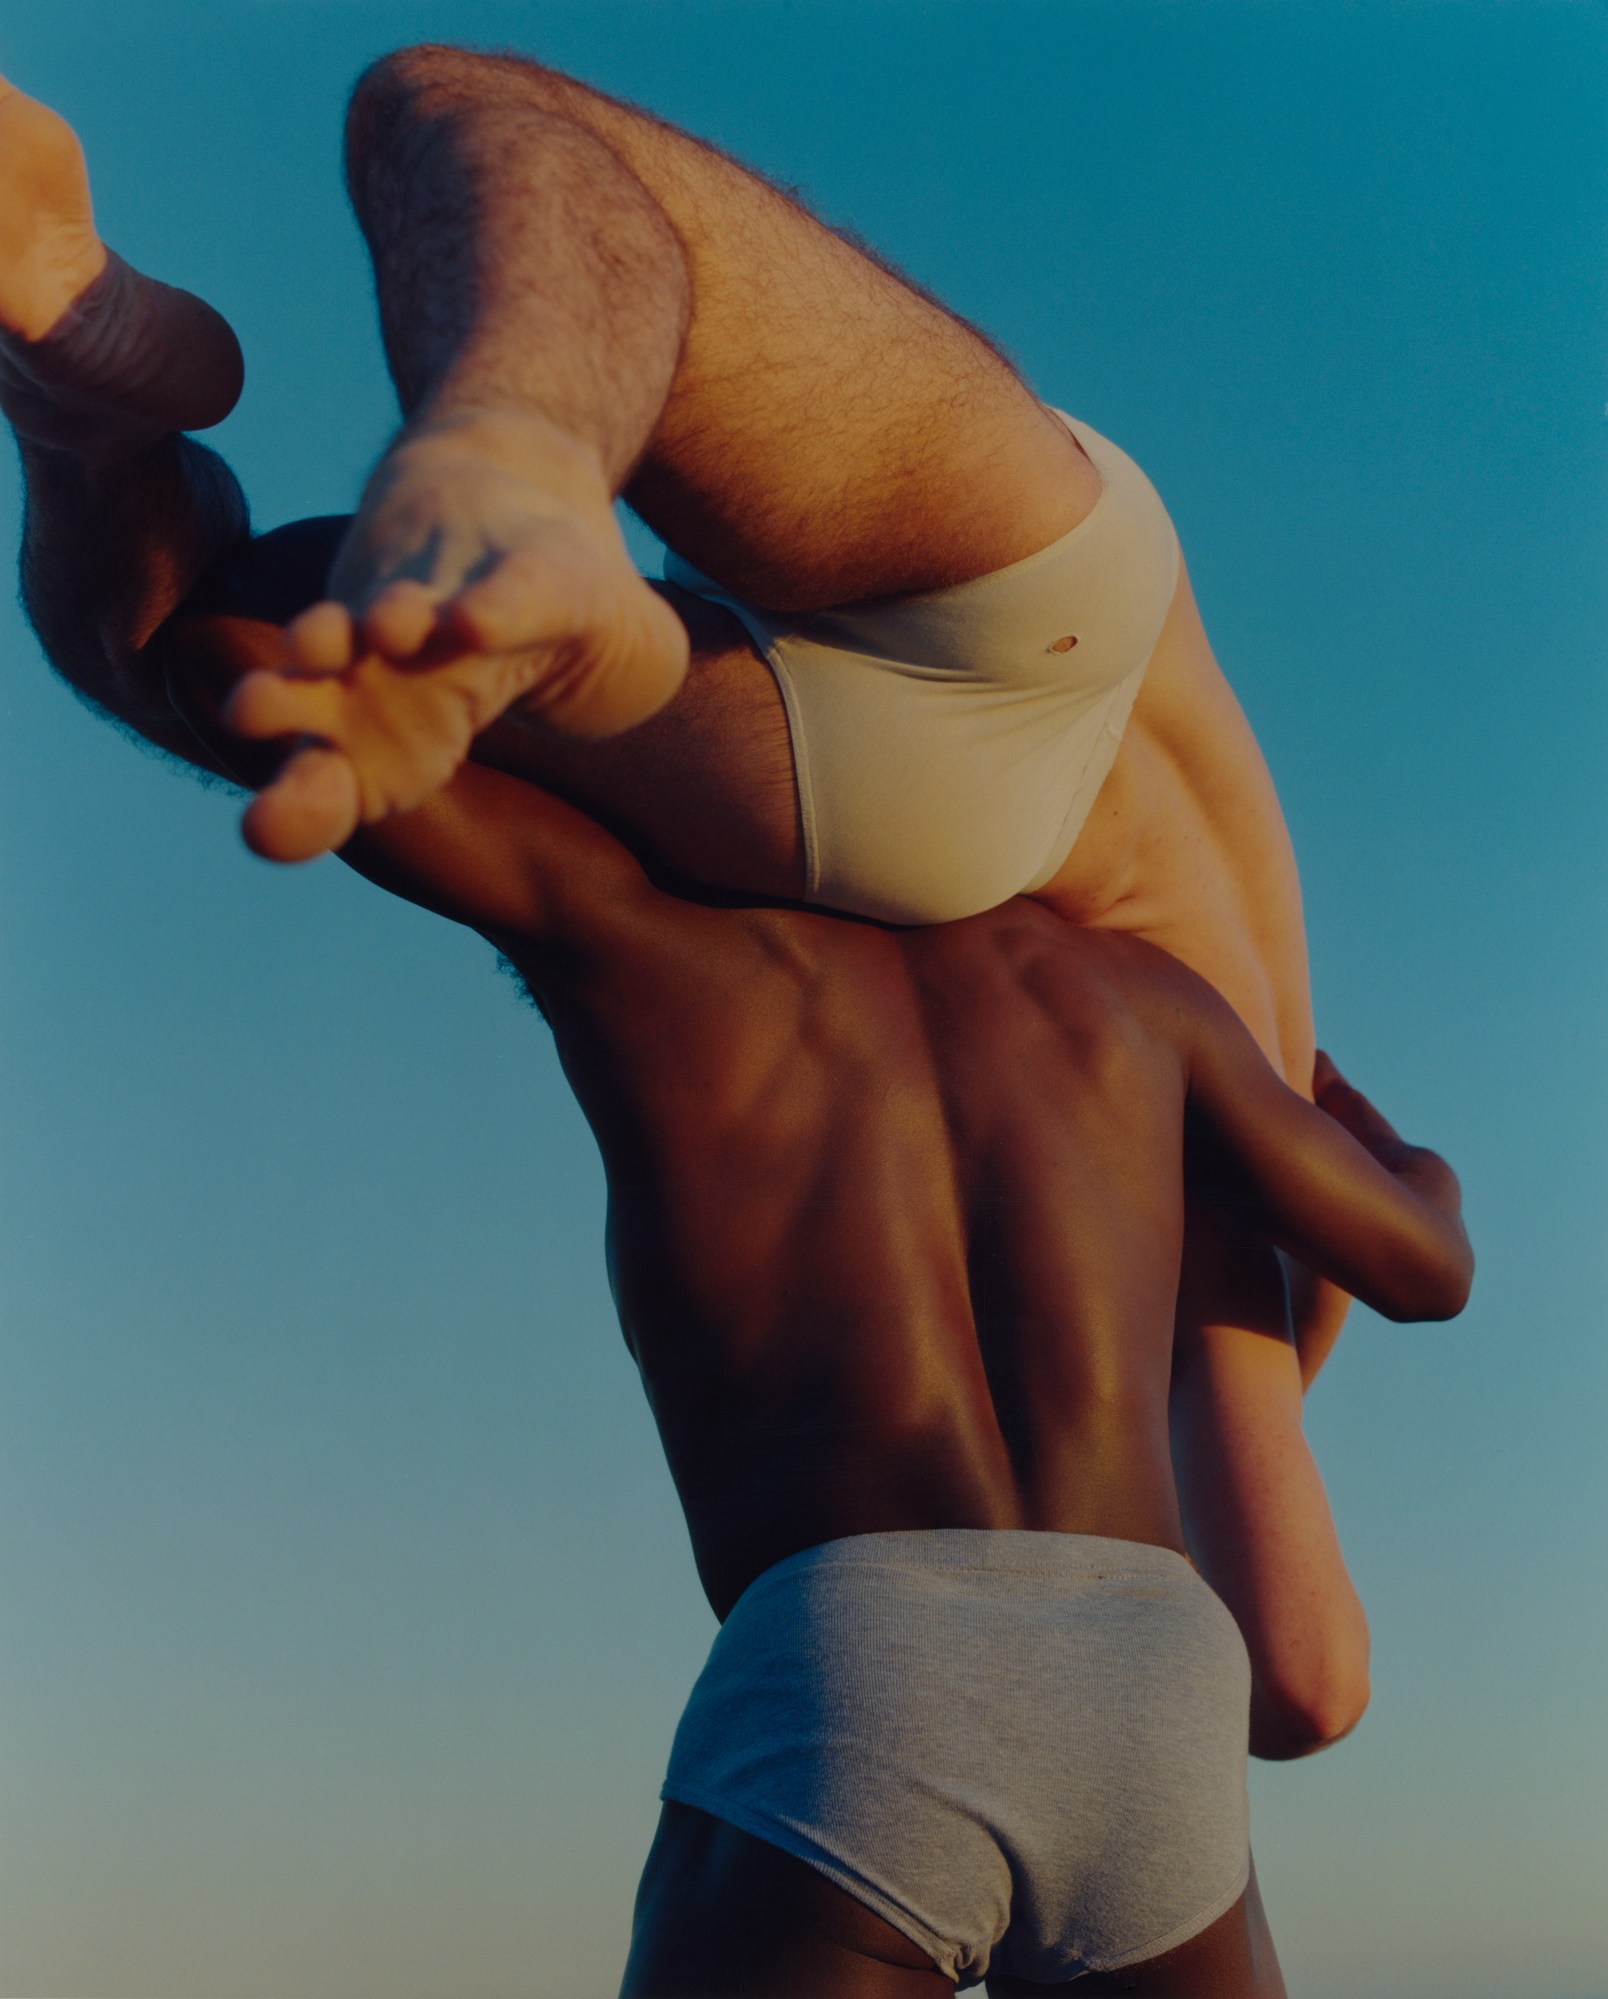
{"x": 1431, "y": 1179}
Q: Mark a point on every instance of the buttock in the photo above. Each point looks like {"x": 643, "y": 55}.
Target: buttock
{"x": 1025, "y": 1751}
{"x": 947, "y": 747}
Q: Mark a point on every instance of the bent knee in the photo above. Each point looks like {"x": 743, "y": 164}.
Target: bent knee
{"x": 426, "y": 80}
{"x": 422, "y": 66}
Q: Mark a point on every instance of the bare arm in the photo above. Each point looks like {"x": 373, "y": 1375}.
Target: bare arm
{"x": 122, "y": 513}
{"x": 1333, "y": 1183}
{"x": 1330, "y": 1182}
{"x": 505, "y": 858}
{"x": 488, "y": 851}
{"x": 1255, "y": 1510}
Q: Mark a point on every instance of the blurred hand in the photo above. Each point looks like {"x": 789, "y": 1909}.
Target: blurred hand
{"x": 1351, "y": 1109}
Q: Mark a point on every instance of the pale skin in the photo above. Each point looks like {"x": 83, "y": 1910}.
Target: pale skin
{"x": 933, "y": 1179}
{"x": 899, "y": 455}
{"x": 1186, "y": 848}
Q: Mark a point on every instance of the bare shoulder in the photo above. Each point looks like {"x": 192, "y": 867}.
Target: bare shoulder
{"x": 1102, "y": 968}
{"x": 1181, "y": 1011}
{"x": 507, "y": 859}
{"x": 1024, "y": 970}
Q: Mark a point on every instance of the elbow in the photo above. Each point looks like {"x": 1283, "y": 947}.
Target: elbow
{"x": 1438, "y": 1287}
{"x": 1311, "y": 1692}
{"x": 1299, "y": 1719}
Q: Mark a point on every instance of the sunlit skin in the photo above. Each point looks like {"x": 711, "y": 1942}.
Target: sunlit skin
{"x": 849, "y": 440}
{"x": 741, "y": 1064}
{"x": 648, "y": 318}
{"x": 895, "y": 1224}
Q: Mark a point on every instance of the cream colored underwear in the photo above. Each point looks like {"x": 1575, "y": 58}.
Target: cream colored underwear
{"x": 949, "y": 746}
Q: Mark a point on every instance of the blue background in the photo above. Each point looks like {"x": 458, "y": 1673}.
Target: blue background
{"x": 346, "y": 1607}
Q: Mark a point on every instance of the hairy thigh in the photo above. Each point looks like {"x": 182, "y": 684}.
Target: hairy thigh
{"x": 832, "y": 432}
{"x": 721, "y": 1915}
{"x": 704, "y": 789}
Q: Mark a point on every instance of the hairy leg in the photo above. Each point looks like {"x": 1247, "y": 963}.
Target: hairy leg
{"x": 721, "y": 1915}
{"x": 577, "y": 300}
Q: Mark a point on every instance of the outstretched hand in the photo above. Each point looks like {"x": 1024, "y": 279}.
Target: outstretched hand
{"x": 483, "y": 569}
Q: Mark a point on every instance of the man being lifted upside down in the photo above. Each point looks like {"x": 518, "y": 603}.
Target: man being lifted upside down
{"x": 578, "y": 300}
{"x": 859, "y": 1312}
{"x": 895, "y": 1220}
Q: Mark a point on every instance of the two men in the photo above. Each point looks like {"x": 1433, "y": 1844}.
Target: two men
{"x": 843, "y": 1159}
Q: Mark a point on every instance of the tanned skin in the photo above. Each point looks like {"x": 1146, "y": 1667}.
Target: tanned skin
{"x": 895, "y": 1226}
{"x": 847, "y": 438}
{"x": 874, "y": 1193}
{"x": 895, "y": 1223}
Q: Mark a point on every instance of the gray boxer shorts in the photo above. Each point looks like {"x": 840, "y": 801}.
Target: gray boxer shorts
{"x": 1024, "y": 1751}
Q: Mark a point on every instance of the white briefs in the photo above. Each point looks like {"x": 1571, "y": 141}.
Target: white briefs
{"x": 948, "y": 747}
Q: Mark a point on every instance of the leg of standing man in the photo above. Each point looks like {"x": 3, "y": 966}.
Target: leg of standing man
{"x": 721, "y": 1915}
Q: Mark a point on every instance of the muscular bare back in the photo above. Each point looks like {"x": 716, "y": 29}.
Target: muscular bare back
{"x": 872, "y": 1280}
{"x": 895, "y": 1217}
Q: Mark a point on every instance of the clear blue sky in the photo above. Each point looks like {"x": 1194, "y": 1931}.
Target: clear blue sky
{"x": 346, "y": 1610}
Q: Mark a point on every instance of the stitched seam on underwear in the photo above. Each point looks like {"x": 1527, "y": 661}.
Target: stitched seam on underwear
{"x": 1135, "y": 678}
{"x": 798, "y": 750}
{"x": 1082, "y": 805}
{"x": 1191, "y": 1926}
{"x": 815, "y": 1852}
{"x": 765, "y": 644}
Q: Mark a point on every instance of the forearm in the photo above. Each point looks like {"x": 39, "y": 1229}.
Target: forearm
{"x": 102, "y": 370}
{"x": 1318, "y": 1308}
{"x": 518, "y": 263}
{"x": 1261, "y": 1533}
{"x": 1327, "y": 1180}
{"x": 1255, "y": 1511}
{"x": 1317, "y": 1317}
{"x": 114, "y": 540}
